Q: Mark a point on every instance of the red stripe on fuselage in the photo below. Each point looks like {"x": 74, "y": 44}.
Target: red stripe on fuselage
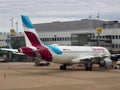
{"x": 33, "y": 39}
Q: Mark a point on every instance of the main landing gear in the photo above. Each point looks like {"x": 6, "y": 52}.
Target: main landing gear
{"x": 63, "y": 67}
{"x": 39, "y": 63}
{"x": 88, "y": 65}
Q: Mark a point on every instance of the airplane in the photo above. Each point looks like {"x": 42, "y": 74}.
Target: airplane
{"x": 64, "y": 55}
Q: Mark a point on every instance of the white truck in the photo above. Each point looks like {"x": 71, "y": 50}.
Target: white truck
{"x": 3, "y": 58}
{"x": 117, "y": 65}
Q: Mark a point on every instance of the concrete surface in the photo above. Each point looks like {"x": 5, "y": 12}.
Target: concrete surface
{"x": 24, "y": 76}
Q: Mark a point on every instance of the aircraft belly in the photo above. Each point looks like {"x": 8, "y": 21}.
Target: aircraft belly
{"x": 65, "y": 57}
{"x": 62, "y": 58}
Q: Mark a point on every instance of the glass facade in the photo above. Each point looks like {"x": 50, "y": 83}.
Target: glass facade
{"x": 79, "y": 39}
{"x": 16, "y": 42}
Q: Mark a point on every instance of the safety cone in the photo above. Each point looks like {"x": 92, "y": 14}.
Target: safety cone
{"x": 9, "y": 68}
{"x": 5, "y": 75}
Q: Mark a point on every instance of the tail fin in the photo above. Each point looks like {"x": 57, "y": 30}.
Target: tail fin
{"x": 31, "y": 36}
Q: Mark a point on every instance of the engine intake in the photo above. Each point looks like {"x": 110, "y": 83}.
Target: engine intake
{"x": 107, "y": 62}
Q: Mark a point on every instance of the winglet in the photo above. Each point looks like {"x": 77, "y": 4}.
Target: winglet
{"x": 26, "y": 22}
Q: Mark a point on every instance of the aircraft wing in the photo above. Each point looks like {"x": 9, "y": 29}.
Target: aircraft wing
{"x": 7, "y": 49}
{"x": 80, "y": 59}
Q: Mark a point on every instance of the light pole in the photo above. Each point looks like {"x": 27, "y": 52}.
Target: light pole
{"x": 11, "y": 22}
{"x": 16, "y": 27}
{"x": 12, "y": 31}
{"x": 90, "y": 25}
{"x": 98, "y": 30}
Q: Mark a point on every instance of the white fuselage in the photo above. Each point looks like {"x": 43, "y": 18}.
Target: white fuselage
{"x": 74, "y": 54}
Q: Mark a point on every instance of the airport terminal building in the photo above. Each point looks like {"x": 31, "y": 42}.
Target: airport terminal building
{"x": 3, "y": 38}
{"x": 81, "y": 32}
{"x": 78, "y": 32}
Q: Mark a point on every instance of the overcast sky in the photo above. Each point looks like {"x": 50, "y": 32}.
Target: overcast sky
{"x": 42, "y": 11}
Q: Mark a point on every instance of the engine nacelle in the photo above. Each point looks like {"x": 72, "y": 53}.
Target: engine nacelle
{"x": 27, "y": 51}
{"x": 107, "y": 62}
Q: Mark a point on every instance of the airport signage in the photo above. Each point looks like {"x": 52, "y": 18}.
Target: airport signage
{"x": 99, "y": 30}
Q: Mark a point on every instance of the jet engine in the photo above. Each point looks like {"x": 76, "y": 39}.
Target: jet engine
{"x": 107, "y": 62}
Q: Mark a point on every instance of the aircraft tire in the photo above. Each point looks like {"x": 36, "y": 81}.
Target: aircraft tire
{"x": 63, "y": 67}
{"x": 88, "y": 66}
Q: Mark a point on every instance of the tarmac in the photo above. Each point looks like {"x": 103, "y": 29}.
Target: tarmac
{"x": 25, "y": 76}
